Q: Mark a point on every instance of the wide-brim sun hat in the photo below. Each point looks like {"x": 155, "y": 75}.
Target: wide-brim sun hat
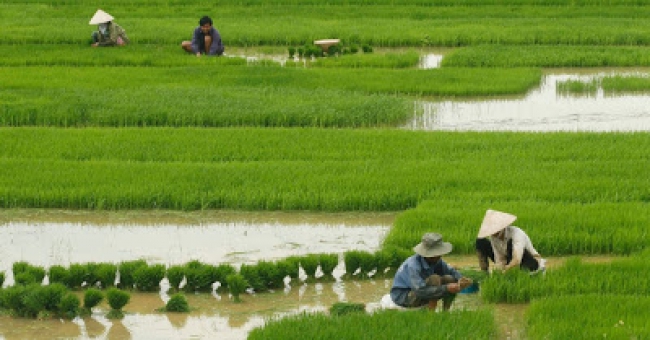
{"x": 100, "y": 17}
{"x": 495, "y": 221}
{"x": 432, "y": 245}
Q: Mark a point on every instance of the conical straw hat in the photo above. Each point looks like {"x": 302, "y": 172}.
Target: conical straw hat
{"x": 494, "y": 221}
{"x": 100, "y": 17}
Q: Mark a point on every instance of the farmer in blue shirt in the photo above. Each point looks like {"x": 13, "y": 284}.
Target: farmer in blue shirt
{"x": 425, "y": 278}
{"x": 205, "y": 40}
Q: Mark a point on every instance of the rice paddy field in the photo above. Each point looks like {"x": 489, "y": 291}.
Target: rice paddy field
{"x": 147, "y": 127}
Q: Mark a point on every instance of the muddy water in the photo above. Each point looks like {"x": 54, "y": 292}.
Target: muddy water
{"x": 543, "y": 109}
{"x": 45, "y": 238}
{"x": 63, "y": 237}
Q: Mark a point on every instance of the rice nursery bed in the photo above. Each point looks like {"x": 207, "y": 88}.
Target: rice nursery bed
{"x": 149, "y": 127}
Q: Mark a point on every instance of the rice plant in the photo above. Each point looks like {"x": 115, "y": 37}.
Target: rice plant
{"x": 177, "y": 303}
{"x": 385, "y": 324}
{"x": 117, "y": 299}
{"x": 610, "y": 316}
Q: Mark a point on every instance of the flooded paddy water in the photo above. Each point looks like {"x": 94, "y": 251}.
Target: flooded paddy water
{"x": 46, "y": 238}
{"x": 543, "y": 109}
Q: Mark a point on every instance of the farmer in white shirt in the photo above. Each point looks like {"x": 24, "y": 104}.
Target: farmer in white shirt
{"x": 510, "y": 246}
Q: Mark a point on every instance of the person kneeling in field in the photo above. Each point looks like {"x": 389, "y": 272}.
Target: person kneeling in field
{"x": 205, "y": 40}
{"x": 425, "y": 278}
{"x": 108, "y": 32}
{"x": 506, "y": 245}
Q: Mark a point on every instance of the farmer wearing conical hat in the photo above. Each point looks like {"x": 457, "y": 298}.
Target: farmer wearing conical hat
{"x": 108, "y": 33}
{"x": 506, "y": 245}
{"x": 425, "y": 278}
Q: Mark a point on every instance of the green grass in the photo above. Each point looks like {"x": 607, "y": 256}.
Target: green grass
{"x": 558, "y": 55}
{"x": 387, "y": 324}
{"x": 313, "y": 169}
{"x": 573, "y": 278}
{"x": 608, "y": 316}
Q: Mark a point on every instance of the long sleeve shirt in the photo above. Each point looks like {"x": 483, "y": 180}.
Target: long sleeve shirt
{"x": 415, "y": 270}
{"x": 112, "y": 34}
{"x": 198, "y": 42}
{"x": 520, "y": 243}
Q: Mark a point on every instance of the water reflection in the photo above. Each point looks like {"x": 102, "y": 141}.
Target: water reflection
{"x": 544, "y": 109}
{"x": 45, "y": 244}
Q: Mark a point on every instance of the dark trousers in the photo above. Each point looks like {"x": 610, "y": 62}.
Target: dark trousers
{"x": 484, "y": 250}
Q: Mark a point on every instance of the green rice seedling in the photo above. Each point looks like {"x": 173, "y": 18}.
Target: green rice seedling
{"x": 625, "y": 84}
{"x": 147, "y": 278}
{"x": 547, "y": 56}
{"x": 556, "y": 317}
{"x": 573, "y": 278}
{"x": 578, "y": 87}
{"x": 409, "y": 59}
{"x": 69, "y": 306}
{"x": 117, "y": 299}
{"x": 2, "y": 279}
{"x": 222, "y": 271}
{"x": 237, "y": 285}
{"x": 105, "y": 273}
{"x": 358, "y": 261}
{"x": 25, "y": 273}
{"x": 251, "y": 274}
{"x": 345, "y": 308}
{"x": 270, "y": 274}
{"x": 13, "y": 300}
{"x": 201, "y": 276}
{"x": 292, "y": 52}
{"x": 92, "y": 298}
{"x": 327, "y": 264}
{"x": 385, "y": 324}
{"x": 91, "y": 274}
{"x": 127, "y": 271}
{"x": 175, "y": 275}
{"x": 78, "y": 274}
{"x": 59, "y": 274}
{"x": 177, "y": 303}
{"x": 309, "y": 264}
{"x": 290, "y": 266}
{"x": 51, "y": 296}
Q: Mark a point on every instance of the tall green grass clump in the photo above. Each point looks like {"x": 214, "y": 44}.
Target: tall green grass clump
{"x": 327, "y": 264}
{"x": 263, "y": 275}
{"x": 2, "y": 279}
{"x": 237, "y": 285}
{"x": 608, "y": 316}
{"x": 175, "y": 275}
{"x": 92, "y": 298}
{"x": 36, "y": 301}
{"x": 117, "y": 299}
{"x": 69, "y": 306}
{"x": 127, "y": 270}
{"x": 384, "y": 324}
{"x": 78, "y": 274}
{"x": 201, "y": 276}
{"x": 25, "y": 273}
{"x": 345, "y": 308}
{"x": 106, "y": 274}
{"x": 177, "y": 304}
{"x": 577, "y": 87}
{"x": 573, "y": 278}
{"x": 59, "y": 274}
{"x": 147, "y": 278}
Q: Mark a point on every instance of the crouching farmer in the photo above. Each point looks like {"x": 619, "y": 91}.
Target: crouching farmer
{"x": 425, "y": 278}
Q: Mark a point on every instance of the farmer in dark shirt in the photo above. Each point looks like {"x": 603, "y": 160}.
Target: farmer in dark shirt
{"x": 205, "y": 40}
{"x": 425, "y": 278}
